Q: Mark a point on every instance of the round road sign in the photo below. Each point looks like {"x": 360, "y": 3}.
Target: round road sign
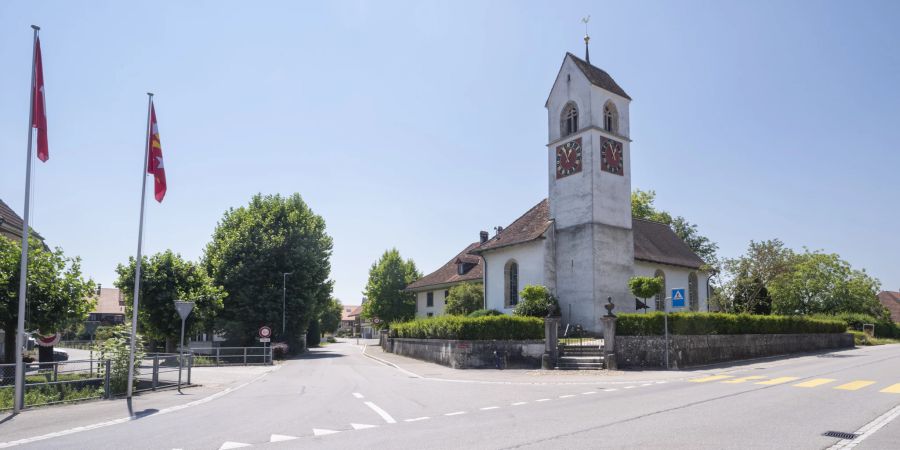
{"x": 265, "y": 332}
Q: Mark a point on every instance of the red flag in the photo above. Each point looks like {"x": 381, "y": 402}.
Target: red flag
{"x": 155, "y": 163}
{"x": 39, "y": 110}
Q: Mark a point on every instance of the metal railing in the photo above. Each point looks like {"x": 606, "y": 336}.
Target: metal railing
{"x": 226, "y": 356}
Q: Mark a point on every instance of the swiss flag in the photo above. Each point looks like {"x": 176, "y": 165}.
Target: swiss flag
{"x": 155, "y": 165}
{"x": 39, "y": 110}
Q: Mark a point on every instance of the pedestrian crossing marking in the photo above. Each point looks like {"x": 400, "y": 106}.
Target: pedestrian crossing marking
{"x": 893, "y": 389}
{"x": 710, "y": 378}
{"x": 744, "y": 379}
{"x": 855, "y": 385}
{"x": 778, "y": 380}
{"x": 815, "y": 383}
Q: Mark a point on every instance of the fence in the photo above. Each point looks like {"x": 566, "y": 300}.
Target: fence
{"x": 224, "y": 356}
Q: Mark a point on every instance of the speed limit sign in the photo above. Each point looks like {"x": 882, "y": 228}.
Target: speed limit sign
{"x": 265, "y": 332}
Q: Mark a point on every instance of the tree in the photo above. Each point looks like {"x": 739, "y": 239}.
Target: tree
{"x": 166, "y": 277}
{"x": 642, "y": 207}
{"x": 645, "y": 287}
{"x": 823, "y": 283}
{"x": 57, "y": 293}
{"x": 251, "y": 247}
{"x": 464, "y": 299}
{"x": 388, "y": 300}
{"x": 748, "y": 276}
{"x": 536, "y": 301}
{"x": 330, "y": 317}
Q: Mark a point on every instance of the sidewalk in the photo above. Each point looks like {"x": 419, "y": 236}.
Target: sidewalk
{"x": 52, "y": 419}
{"x": 428, "y": 370}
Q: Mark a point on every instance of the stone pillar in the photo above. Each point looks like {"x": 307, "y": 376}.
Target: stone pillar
{"x": 551, "y": 343}
{"x": 609, "y": 342}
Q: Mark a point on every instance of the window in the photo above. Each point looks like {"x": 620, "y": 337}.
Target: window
{"x": 569, "y": 119}
{"x": 610, "y": 118}
{"x": 429, "y": 299}
{"x": 661, "y": 295}
{"x": 430, "y": 314}
{"x": 446, "y": 294}
{"x": 693, "y": 296}
{"x": 511, "y": 275}
{"x": 461, "y": 268}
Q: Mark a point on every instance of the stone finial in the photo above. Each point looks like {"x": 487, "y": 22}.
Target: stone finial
{"x": 609, "y": 307}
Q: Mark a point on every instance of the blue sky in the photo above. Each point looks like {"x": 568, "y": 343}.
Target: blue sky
{"x": 416, "y": 124}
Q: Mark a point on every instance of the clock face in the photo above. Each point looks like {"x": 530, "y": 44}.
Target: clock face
{"x": 611, "y": 160}
{"x": 568, "y": 158}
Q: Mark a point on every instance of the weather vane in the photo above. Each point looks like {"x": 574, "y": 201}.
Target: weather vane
{"x": 586, "y": 20}
{"x": 587, "y": 53}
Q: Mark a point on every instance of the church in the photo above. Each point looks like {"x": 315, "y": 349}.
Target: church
{"x": 581, "y": 242}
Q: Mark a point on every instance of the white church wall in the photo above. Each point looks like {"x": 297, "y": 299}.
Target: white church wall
{"x": 530, "y": 258}
{"x": 676, "y": 277}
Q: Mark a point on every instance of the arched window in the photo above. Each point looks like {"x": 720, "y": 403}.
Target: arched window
{"x": 569, "y": 119}
{"x": 693, "y": 296}
{"x": 511, "y": 278}
{"x": 610, "y": 117}
{"x": 661, "y": 295}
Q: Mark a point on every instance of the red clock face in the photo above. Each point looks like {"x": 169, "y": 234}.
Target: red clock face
{"x": 568, "y": 158}
{"x": 612, "y": 160}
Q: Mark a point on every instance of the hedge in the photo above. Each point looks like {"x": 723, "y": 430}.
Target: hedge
{"x": 884, "y": 328}
{"x": 720, "y": 323}
{"x": 501, "y": 328}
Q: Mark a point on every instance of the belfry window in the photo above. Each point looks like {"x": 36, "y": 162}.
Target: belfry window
{"x": 569, "y": 119}
{"x": 610, "y": 118}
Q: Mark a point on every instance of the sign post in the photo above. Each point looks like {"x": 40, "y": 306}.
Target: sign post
{"x": 265, "y": 336}
{"x": 184, "y": 310}
{"x": 678, "y": 298}
{"x": 90, "y": 327}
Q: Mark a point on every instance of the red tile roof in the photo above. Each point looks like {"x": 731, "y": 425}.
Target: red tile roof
{"x": 348, "y": 310}
{"x": 448, "y": 273}
{"x": 528, "y": 227}
{"x": 891, "y": 301}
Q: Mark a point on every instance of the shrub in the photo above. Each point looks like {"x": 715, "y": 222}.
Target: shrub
{"x": 536, "y": 302}
{"x": 501, "y": 328}
{"x": 280, "y": 350}
{"x": 485, "y": 312}
{"x": 116, "y": 348}
{"x": 645, "y": 287}
{"x": 464, "y": 299}
{"x": 718, "y": 323}
{"x": 884, "y": 328}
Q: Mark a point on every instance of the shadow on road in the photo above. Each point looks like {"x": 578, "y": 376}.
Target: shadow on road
{"x": 319, "y": 354}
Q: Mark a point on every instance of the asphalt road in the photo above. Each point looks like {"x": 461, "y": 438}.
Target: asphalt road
{"x": 338, "y": 398}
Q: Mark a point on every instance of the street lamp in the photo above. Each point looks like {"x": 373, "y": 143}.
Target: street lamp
{"x": 283, "y": 297}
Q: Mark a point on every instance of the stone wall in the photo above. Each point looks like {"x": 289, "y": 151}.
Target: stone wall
{"x": 468, "y": 354}
{"x": 686, "y": 350}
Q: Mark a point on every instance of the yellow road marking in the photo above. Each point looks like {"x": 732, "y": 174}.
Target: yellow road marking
{"x": 854, "y": 385}
{"x": 744, "y": 379}
{"x": 778, "y": 380}
{"x": 710, "y": 378}
{"x": 894, "y": 389}
{"x": 814, "y": 383}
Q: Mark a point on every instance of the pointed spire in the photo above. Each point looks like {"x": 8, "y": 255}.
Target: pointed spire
{"x": 587, "y": 38}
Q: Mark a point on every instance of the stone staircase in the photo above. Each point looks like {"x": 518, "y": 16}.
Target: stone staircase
{"x": 580, "y": 357}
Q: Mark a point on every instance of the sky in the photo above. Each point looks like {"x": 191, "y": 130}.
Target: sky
{"x": 417, "y": 124}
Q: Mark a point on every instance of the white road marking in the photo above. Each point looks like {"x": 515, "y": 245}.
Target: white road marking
{"x": 660, "y": 382}
{"x": 358, "y": 395}
{"x": 128, "y": 419}
{"x": 868, "y": 429}
{"x": 647, "y": 384}
{"x": 488, "y": 408}
{"x": 281, "y": 438}
{"x": 589, "y": 393}
{"x": 630, "y": 387}
{"x": 230, "y": 444}
{"x": 610, "y": 390}
{"x": 362, "y": 426}
{"x": 519, "y": 403}
{"x": 323, "y": 432}
{"x": 543, "y": 400}
{"x": 457, "y": 413}
{"x": 417, "y": 419}
{"x": 384, "y": 415}
{"x": 567, "y": 396}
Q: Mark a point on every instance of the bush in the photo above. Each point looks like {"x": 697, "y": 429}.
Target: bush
{"x": 719, "y": 323}
{"x": 485, "y": 312}
{"x": 279, "y": 350}
{"x": 116, "y": 348}
{"x": 501, "y": 328}
{"x": 464, "y": 299}
{"x": 884, "y": 328}
{"x": 536, "y": 302}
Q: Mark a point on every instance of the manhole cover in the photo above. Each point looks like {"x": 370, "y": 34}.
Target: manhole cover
{"x": 840, "y": 435}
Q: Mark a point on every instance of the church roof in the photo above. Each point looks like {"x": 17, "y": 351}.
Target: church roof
{"x": 448, "y": 273}
{"x": 598, "y": 77}
{"x": 9, "y": 219}
{"x": 653, "y": 241}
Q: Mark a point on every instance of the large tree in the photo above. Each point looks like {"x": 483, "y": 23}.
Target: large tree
{"x": 747, "y": 277}
{"x": 251, "y": 248}
{"x": 388, "y": 300}
{"x": 166, "y": 277}
{"x": 57, "y": 293}
{"x": 330, "y": 317}
{"x": 465, "y": 298}
{"x": 642, "y": 207}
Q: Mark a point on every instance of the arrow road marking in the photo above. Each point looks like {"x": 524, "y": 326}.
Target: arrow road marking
{"x": 230, "y": 444}
{"x": 281, "y": 438}
{"x": 362, "y": 426}
{"x": 323, "y": 432}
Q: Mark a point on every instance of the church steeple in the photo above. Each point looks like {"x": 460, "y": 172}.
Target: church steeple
{"x": 587, "y": 38}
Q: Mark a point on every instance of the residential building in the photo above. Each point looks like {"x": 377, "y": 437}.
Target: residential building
{"x": 347, "y": 320}
{"x": 891, "y": 301}
{"x": 432, "y": 289}
{"x": 110, "y": 307}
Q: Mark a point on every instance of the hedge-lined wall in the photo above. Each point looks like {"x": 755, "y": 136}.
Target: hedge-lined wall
{"x": 884, "y": 328}
{"x": 651, "y": 324}
{"x": 471, "y": 328}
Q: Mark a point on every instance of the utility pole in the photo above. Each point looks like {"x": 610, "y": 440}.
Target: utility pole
{"x": 283, "y": 297}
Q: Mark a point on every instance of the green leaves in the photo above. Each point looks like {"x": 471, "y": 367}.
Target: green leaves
{"x": 650, "y": 324}
{"x": 464, "y": 299}
{"x": 385, "y": 290}
{"x": 471, "y": 328}
{"x": 645, "y": 287}
{"x": 536, "y": 301}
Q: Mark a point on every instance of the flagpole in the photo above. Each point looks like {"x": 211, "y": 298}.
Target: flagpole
{"x": 137, "y": 265}
{"x": 19, "y": 402}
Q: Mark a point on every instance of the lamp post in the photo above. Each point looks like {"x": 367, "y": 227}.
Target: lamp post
{"x": 184, "y": 310}
{"x": 283, "y": 297}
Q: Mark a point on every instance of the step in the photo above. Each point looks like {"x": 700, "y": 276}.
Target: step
{"x": 580, "y": 353}
{"x": 579, "y": 367}
{"x": 580, "y": 360}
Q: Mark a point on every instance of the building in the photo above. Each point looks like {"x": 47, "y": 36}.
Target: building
{"x": 581, "y": 242}
{"x": 891, "y": 301}
{"x": 110, "y": 307}
{"x": 11, "y": 224}
{"x": 432, "y": 289}
{"x": 347, "y": 320}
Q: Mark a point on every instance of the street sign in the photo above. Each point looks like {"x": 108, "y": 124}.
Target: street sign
{"x": 376, "y": 321}
{"x": 265, "y": 332}
{"x": 265, "y": 339}
{"x": 184, "y": 308}
{"x": 678, "y": 298}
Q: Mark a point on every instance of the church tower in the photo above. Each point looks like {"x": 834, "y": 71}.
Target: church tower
{"x": 589, "y": 168}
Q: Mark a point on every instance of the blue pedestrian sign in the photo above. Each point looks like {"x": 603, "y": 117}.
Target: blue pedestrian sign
{"x": 678, "y": 298}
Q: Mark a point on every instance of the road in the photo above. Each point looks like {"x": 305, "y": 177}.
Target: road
{"x": 338, "y": 398}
